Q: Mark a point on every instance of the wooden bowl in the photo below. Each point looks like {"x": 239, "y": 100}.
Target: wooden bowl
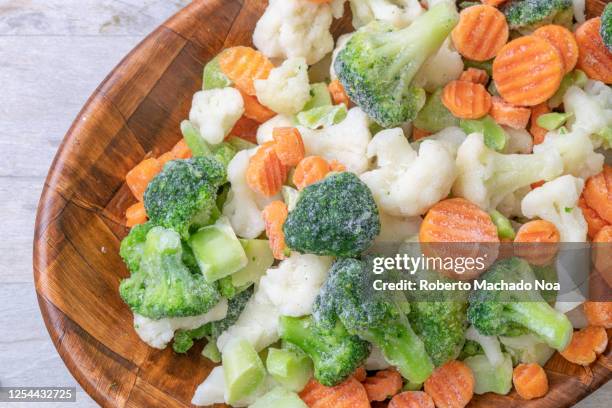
{"x": 135, "y": 112}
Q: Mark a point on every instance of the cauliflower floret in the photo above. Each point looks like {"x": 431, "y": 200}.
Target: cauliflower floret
{"x": 346, "y": 142}
{"x": 396, "y": 229}
{"x": 340, "y": 44}
{"x": 452, "y": 137}
{"x": 215, "y": 112}
{"x": 510, "y": 205}
{"x": 445, "y": 66}
{"x": 518, "y": 141}
{"x": 592, "y": 109}
{"x": 557, "y": 202}
{"x": 158, "y": 333}
{"x": 294, "y": 284}
{"x": 286, "y": 90}
{"x": 337, "y": 7}
{"x": 265, "y": 130}
{"x": 486, "y": 177}
{"x": 579, "y": 7}
{"x": 295, "y": 28}
{"x": 400, "y": 13}
{"x": 406, "y": 183}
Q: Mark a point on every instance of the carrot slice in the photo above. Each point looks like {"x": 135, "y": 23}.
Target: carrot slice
{"x": 530, "y": 381}
{"x": 594, "y": 221}
{"x": 509, "y": 115}
{"x": 481, "y": 32}
{"x": 336, "y": 166}
{"x": 538, "y": 242}
{"x": 598, "y": 193}
{"x": 602, "y": 256}
{"x": 255, "y": 110}
{"x": 411, "y": 399}
{"x": 289, "y": 145}
{"x": 528, "y": 71}
{"x": 466, "y": 100}
{"x": 419, "y": 133}
{"x": 274, "y": 215}
{"x": 139, "y": 177}
{"x": 593, "y": 58}
{"x": 599, "y": 313}
{"x": 265, "y": 173}
{"x": 586, "y": 344}
{"x": 136, "y": 214}
{"x": 538, "y": 133}
{"x": 349, "y": 394}
{"x": 493, "y": 2}
{"x": 564, "y": 40}
{"x": 245, "y": 129}
{"x": 451, "y": 385}
{"x": 338, "y": 93}
{"x": 165, "y": 158}
{"x": 475, "y": 75}
{"x": 310, "y": 170}
{"x": 360, "y": 374}
{"x": 384, "y": 384}
{"x": 243, "y": 65}
{"x": 181, "y": 150}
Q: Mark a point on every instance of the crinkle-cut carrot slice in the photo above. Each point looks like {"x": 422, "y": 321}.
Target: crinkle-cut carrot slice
{"x": 338, "y": 93}
{"x": 288, "y": 145}
{"x": 598, "y": 193}
{"x": 538, "y": 133}
{"x": 265, "y": 173}
{"x": 349, "y": 394}
{"x": 528, "y": 71}
{"x": 382, "y": 385}
{"x": 530, "y": 381}
{"x": 478, "y": 76}
{"x": 419, "y": 133}
{"x": 245, "y": 129}
{"x": 481, "y": 32}
{"x": 594, "y": 221}
{"x": 466, "y": 100}
{"x": 451, "y": 385}
{"x": 594, "y": 58}
{"x": 136, "y": 214}
{"x": 538, "y": 242}
{"x": 139, "y": 177}
{"x": 411, "y": 399}
{"x": 310, "y": 170}
{"x": 243, "y": 65}
{"x": 564, "y": 40}
{"x": 254, "y": 110}
{"x": 586, "y": 345}
{"x": 274, "y": 215}
{"x": 506, "y": 114}
{"x": 599, "y": 313}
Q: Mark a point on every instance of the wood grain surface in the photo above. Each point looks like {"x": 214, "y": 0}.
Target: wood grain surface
{"x": 136, "y": 111}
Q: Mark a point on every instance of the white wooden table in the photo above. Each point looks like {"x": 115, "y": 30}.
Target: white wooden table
{"x": 53, "y": 54}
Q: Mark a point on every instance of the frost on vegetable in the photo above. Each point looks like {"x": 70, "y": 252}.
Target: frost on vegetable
{"x": 592, "y": 111}
{"x": 286, "y": 90}
{"x": 557, "y": 202}
{"x": 606, "y": 26}
{"x": 215, "y": 112}
{"x": 340, "y": 44}
{"x": 400, "y": 13}
{"x": 527, "y": 15}
{"x": 295, "y": 28}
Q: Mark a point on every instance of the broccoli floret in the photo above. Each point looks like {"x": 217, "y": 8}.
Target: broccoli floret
{"x": 606, "y": 26}
{"x": 527, "y": 15}
{"x": 184, "y": 193}
{"x": 499, "y": 312}
{"x": 336, "y": 216}
{"x": 335, "y": 353}
{"x": 470, "y": 348}
{"x": 379, "y": 62}
{"x": 349, "y": 297}
{"x": 162, "y": 285}
{"x": 132, "y": 246}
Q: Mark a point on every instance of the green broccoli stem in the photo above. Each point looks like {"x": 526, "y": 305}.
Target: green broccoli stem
{"x": 299, "y": 333}
{"x": 551, "y": 326}
{"x": 403, "y": 349}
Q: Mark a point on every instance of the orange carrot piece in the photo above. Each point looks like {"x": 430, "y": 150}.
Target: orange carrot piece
{"x": 349, "y": 394}
{"x": 384, "y": 384}
{"x": 411, "y": 399}
{"x": 289, "y": 145}
{"x": 336, "y": 166}
{"x": 564, "y": 40}
{"x": 598, "y": 193}
{"x": 419, "y": 133}
{"x": 274, "y": 215}
{"x": 493, "y": 2}
{"x": 255, "y": 110}
{"x": 338, "y": 93}
{"x": 538, "y": 133}
{"x": 245, "y": 129}
{"x": 530, "y": 381}
{"x": 466, "y": 100}
{"x": 265, "y": 173}
{"x": 537, "y": 184}
{"x": 310, "y": 170}
{"x": 594, "y": 221}
{"x": 593, "y": 58}
{"x": 360, "y": 374}
{"x": 243, "y": 65}
{"x": 602, "y": 256}
{"x": 538, "y": 242}
{"x": 136, "y": 214}
{"x": 599, "y": 313}
{"x": 181, "y": 150}
{"x": 139, "y": 177}
{"x": 165, "y": 158}
{"x": 475, "y": 75}
{"x": 509, "y": 115}
{"x": 481, "y": 32}
{"x": 586, "y": 344}
{"x": 528, "y": 71}
{"x": 451, "y": 385}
